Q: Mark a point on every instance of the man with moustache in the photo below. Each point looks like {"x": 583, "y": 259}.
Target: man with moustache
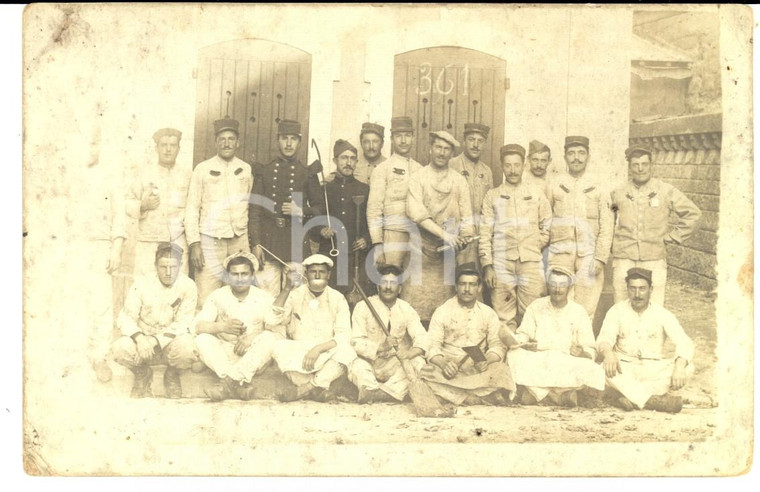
{"x": 439, "y": 203}
{"x": 632, "y": 343}
{"x": 157, "y": 201}
{"x": 216, "y": 216}
{"x": 582, "y": 224}
{"x": 371, "y": 138}
{"x": 644, "y": 207}
{"x": 293, "y": 189}
{"x": 155, "y": 324}
{"x": 388, "y": 190}
{"x": 539, "y": 161}
{"x": 317, "y": 350}
{"x": 345, "y": 215}
{"x": 378, "y": 372}
{"x": 514, "y": 228}
{"x": 460, "y": 323}
{"x": 236, "y": 330}
{"x": 552, "y": 353}
{"x": 477, "y": 173}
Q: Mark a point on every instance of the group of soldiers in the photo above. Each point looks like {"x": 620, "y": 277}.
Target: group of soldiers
{"x": 457, "y": 272}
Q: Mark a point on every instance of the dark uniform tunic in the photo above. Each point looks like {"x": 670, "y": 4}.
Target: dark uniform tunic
{"x": 278, "y": 181}
{"x": 343, "y": 214}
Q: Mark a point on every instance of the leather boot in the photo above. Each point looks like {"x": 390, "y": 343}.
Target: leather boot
{"x": 664, "y": 403}
{"x": 172, "y": 384}
{"x": 568, "y": 399}
{"x": 143, "y": 377}
{"x": 224, "y": 389}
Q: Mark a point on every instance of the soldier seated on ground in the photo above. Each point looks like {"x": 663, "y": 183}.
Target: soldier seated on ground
{"x": 318, "y": 327}
{"x": 465, "y": 358}
{"x": 632, "y": 343}
{"x": 380, "y": 371}
{"x": 155, "y": 324}
{"x": 236, "y": 330}
{"x": 552, "y": 353}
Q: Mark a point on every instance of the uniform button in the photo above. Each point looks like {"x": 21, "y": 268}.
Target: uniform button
{"x": 275, "y": 178}
{"x": 290, "y": 189}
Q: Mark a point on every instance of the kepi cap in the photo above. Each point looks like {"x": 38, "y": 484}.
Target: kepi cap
{"x": 641, "y": 148}
{"x": 289, "y": 127}
{"x": 576, "y": 140}
{"x": 317, "y": 259}
{"x": 342, "y": 146}
{"x": 637, "y": 272}
{"x": 469, "y": 268}
{"x": 176, "y": 249}
{"x": 535, "y": 146}
{"x": 166, "y": 132}
{"x": 372, "y": 128}
{"x": 402, "y": 124}
{"x": 476, "y": 128}
{"x": 226, "y": 124}
{"x": 512, "y": 149}
{"x": 446, "y": 137}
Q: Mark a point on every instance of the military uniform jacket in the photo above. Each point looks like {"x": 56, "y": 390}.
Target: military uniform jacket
{"x": 514, "y": 225}
{"x": 643, "y": 223}
{"x": 277, "y": 183}
{"x": 582, "y": 220}
{"x": 340, "y": 193}
{"x": 479, "y": 178}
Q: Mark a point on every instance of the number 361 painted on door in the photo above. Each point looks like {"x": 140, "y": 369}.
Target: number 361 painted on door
{"x": 427, "y": 84}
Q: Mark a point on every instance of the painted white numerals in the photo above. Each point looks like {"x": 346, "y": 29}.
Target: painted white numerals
{"x": 426, "y": 80}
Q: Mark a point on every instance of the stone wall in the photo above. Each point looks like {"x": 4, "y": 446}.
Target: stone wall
{"x": 687, "y": 155}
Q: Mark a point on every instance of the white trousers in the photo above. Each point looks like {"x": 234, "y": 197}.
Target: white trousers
{"x": 220, "y": 357}
{"x": 641, "y": 379}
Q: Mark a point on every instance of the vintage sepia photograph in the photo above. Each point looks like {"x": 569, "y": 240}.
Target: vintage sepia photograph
{"x": 387, "y": 240}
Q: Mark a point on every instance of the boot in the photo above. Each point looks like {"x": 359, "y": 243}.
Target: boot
{"x": 526, "y": 398}
{"x": 624, "y": 403}
{"x": 246, "y": 392}
{"x": 143, "y": 377}
{"x": 664, "y": 403}
{"x": 371, "y": 395}
{"x": 223, "y": 389}
{"x": 102, "y": 371}
{"x": 172, "y": 384}
{"x": 568, "y": 399}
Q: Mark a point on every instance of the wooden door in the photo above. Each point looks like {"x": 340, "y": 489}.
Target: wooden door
{"x": 444, "y": 87}
{"x": 258, "y": 83}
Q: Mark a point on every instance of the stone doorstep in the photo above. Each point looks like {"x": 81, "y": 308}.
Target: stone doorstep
{"x": 193, "y": 384}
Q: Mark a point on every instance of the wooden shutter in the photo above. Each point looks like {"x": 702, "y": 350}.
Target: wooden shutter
{"x": 258, "y": 83}
{"x": 442, "y": 88}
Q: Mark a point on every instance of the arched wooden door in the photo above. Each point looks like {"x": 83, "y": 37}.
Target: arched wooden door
{"x": 444, "y": 87}
{"x": 258, "y": 83}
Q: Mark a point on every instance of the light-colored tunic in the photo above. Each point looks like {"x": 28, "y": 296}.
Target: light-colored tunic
{"x": 453, "y": 327}
{"x": 157, "y": 310}
{"x": 444, "y": 197}
{"x": 256, "y": 312}
{"x": 369, "y": 370}
{"x": 639, "y": 343}
{"x": 388, "y": 189}
{"x": 555, "y": 330}
{"x": 312, "y": 320}
{"x": 217, "y": 200}
{"x": 363, "y": 170}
